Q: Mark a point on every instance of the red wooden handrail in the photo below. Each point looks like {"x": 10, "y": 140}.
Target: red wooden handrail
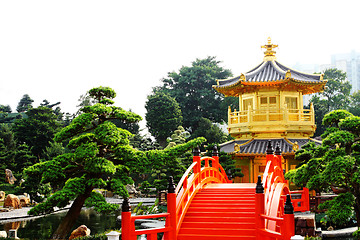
{"x": 302, "y": 204}
{"x": 272, "y": 221}
{"x": 189, "y": 186}
{"x": 178, "y": 201}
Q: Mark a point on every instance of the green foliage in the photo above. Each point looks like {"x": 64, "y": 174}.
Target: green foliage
{"x": 192, "y": 88}
{"x": 102, "y": 94}
{"x": 356, "y": 234}
{"x": 334, "y": 164}
{"x": 339, "y": 209}
{"x": 145, "y": 187}
{"x": 210, "y": 131}
{"x": 5, "y": 114}
{"x": 225, "y": 161}
{"x": 25, "y": 104}
{"x": 101, "y": 236}
{"x": 335, "y": 96}
{"x": 179, "y": 136}
{"x": 37, "y": 129}
{"x": 132, "y": 127}
{"x": 5, "y": 109}
{"x": 98, "y": 202}
{"x": 351, "y": 124}
{"x": 142, "y": 209}
{"x": 13, "y": 156}
{"x": 10, "y": 189}
{"x": 54, "y": 149}
{"x": 171, "y": 162}
{"x": 163, "y": 116}
{"x": 341, "y": 138}
{"x": 99, "y": 156}
{"x": 333, "y": 118}
{"x": 312, "y": 238}
{"x": 354, "y": 106}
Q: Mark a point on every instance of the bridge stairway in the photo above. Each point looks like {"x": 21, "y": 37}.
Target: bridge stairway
{"x": 221, "y": 211}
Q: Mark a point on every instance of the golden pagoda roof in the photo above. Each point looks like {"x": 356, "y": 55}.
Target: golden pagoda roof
{"x": 271, "y": 73}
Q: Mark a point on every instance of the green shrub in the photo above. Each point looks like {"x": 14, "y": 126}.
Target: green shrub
{"x": 100, "y": 236}
{"x": 356, "y": 234}
{"x": 10, "y": 189}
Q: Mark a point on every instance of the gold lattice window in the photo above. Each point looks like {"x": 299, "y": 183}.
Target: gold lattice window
{"x": 267, "y": 102}
{"x": 291, "y": 102}
{"x": 247, "y": 102}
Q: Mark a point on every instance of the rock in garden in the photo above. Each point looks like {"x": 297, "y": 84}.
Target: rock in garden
{"x": 24, "y": 201}
{"x": 3, "y": 234}
{"x": 80, "y": 232}
{"x": 12, "y": 201}
{"x": 132, "y": 190}
{"x": 2, "y": 195}
{"x": 9, "y": 177}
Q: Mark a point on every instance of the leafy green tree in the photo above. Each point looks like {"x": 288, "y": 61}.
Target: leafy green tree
{"x": 57, "y": 110}
{"x": 335, "y": 96}
{"x": 13, "y": 156}
{"x": 37, "y": 129}
{"x": 5, "y": 109}
{"x": 334, "y": 164}
{"x": 5, "y": 114}
{"x": 192, "y": 89}
{"x": 210, "y": 131}
{"x": 354, "y": 106}
{"x": 143, "y": 143}
{"x": 179, "y": 136}
{"x": 100, "y": 157}
{"x": 132, "y": 127}
{"x": 163, "y": 116}
{"x": 25, "y": 104}
{"x": 53, "y": 150}
{"x": 226, "y": 161}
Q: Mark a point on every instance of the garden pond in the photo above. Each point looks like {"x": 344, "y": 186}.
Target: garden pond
{"x": 43, "y": 227}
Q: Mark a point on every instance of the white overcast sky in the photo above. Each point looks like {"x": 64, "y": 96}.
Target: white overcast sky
{"x": 57, "y": 50}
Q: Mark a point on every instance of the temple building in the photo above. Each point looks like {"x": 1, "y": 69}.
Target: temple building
{"x": 270, "y": 108}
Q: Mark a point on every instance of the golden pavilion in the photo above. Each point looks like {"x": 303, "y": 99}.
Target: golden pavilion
{"x": 270, "y": 108}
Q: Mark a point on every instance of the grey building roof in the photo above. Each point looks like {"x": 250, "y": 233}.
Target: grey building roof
{"x": 258, "y": 146}
{"x": 271, "y": 71}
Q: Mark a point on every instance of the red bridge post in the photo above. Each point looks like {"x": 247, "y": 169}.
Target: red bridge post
{"x": 197, "y": 159}
{"x": 270, "y": 155}
{"x": 288, "y": 229}
{"x": 171, "y": 208}
{"x": 126, "y": 220}
{"x": 215, "y": 156}
{"x": 259, "y": 208}
{"x": 277, "y": 157}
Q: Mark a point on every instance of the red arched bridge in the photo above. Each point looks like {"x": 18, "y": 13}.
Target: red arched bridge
{"x": 207, "y": 205}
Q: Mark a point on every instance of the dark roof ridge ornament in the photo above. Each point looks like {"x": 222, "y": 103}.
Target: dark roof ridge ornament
{"x": 269, "y": 149}
{"x": 277, "y": 149}
{"x": 269, "y": 53}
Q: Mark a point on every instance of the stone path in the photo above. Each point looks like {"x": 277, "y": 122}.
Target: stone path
{"x": 346, "y": 232}
{"x": 21, "y": 214}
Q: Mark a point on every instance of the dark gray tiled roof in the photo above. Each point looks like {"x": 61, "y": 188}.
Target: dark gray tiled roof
{"x": 270, "y": 71}
{"x": 258, "y": 146}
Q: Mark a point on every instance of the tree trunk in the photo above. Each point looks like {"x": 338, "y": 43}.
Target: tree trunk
{"x": 71, "y": 216}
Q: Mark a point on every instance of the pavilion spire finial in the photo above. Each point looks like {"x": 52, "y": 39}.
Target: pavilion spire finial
{"x": 269, "y": 53}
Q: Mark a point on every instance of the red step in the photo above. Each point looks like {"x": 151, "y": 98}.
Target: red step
{"x": 220, "y": 212}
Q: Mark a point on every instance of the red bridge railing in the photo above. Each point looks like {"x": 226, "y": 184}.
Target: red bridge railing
{"x": 274, "y": 206}
{"x": 202, "y": 171}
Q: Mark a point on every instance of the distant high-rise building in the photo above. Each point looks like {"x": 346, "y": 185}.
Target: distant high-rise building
{"x": 349, "y": 63}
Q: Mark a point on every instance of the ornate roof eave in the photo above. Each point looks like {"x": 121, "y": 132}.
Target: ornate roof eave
{"x": 258, "y": 154}
{"x": 242, "y": 87}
